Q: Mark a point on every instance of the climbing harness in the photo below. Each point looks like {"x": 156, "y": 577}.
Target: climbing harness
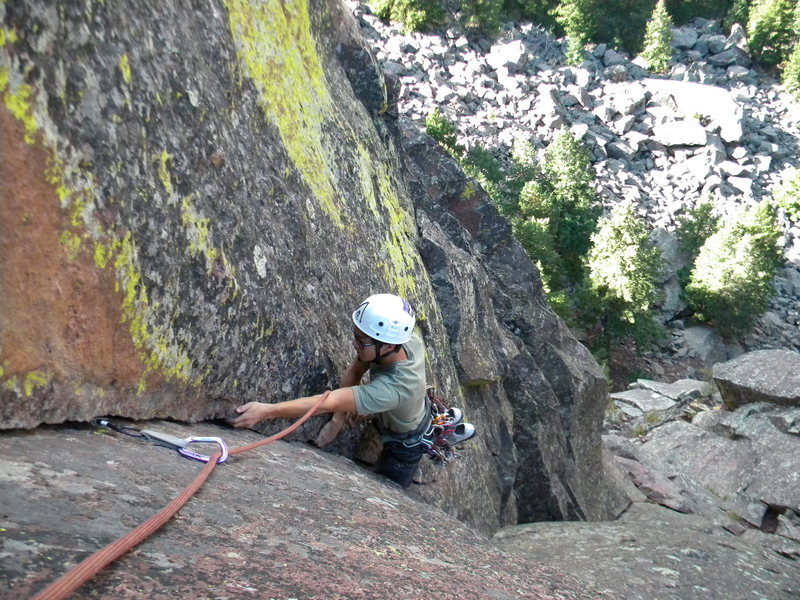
{"x": 84, "y": 571}
{"x": 446, "y": 429}
{"x": 169, "y": 441}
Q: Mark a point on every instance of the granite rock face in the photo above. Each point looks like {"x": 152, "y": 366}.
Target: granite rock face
{"x": 653, "y": 552}
{"x": 761, "y": 376}
{"x": 195, "y": 197}
{"x": 282, "y": 521}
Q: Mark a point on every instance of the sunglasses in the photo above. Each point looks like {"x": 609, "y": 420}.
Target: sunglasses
{"x": 361, "y": 344}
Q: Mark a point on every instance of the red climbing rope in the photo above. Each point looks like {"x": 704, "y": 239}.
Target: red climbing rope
{"x": 64, "y": 586}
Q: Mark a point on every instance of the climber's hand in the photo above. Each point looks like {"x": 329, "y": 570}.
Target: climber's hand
{"x": 250, "y": 414}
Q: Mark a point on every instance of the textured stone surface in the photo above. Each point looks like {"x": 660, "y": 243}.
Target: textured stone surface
{"x": 283, "y": 521}
{"x": 195, "y": 197}
{"x": 746, "y": 457}
{"x": 760, "y": 376}
{"x": 494, "y": 307}
{"x": 644, "y": 400}
{"x": 653, "y": 552}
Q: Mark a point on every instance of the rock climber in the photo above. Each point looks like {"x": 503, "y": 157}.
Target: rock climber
{"x": 387, "y": 347}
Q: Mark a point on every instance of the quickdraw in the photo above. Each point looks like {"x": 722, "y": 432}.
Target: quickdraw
{"x": 172, "y": 442}
{"x": 446, "y": 430}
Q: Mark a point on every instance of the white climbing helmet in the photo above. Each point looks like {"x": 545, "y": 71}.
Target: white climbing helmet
{"x": 386, "y": 318}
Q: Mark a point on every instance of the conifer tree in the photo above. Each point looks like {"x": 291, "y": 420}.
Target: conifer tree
{"x": 573, "y": 202}
{"x": 771, "y": 29}
{"x": 623, "y": 267}
{"x": 577, "y": 18}
{"x": 415, "y": 15}
{"x": 482, "y": 15}
{"x": 731, "y": 281}
{"x": 657, "y": 50}
{"x": 737, "y": 14}
{"x": 791, "y": 73}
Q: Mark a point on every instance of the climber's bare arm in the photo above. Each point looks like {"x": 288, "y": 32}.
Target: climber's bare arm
{"x": 352, "y": 377}
{"x": 339, "y": 400}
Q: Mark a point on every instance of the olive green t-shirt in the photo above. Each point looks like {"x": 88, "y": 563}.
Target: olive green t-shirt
{"x": 396, "y": 392}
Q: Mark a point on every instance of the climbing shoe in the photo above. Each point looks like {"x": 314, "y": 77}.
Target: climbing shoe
{"x": 460, "y": 433}
{"x": 454, "y": 416}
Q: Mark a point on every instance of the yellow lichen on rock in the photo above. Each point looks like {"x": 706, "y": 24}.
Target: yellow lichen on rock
{"x": 198, "y": 233}
{"x": 404, "y": 263}
{"x": 158, "y": 349}
{"x": 277, "y": 49}
{"x": 154, "y": 340}
{"x": 18, "y": 102}
{"x": 366, "y": 175}
{"x": 125, "y": 68}
{"x": 163, "y": 171}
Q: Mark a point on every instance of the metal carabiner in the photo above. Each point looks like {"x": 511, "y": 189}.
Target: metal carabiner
{"x": 204, "y": 440}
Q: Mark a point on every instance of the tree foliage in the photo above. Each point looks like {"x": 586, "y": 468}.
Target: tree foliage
{"x": 623, "y": 269}
{"x": 553, "y": 206}
{"x": 415, "y": 15}
{"x": 657, "y": 50}
{"x": 537, "y": 11}
{"x": 444, "y": 131}
{"x": 787, "y": 195}
{"x": 791, "y": 73}
{"x": 683, "y": 11}
{"x": 575, "y": 206}
{"x": 772, "y": 28}
{"x": 482, "y": 15}
{"x": 694, "y": 228}
{"x": 738, "y": 13}
{"x": 731, "y": 281}
{"x": 577, "y": 18}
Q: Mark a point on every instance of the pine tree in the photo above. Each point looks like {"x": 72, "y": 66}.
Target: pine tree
{"x": 731, "y": 281}
{"x": 657, "y": 50}
{"x": 623, "y": 268}
{"x": 574, "y": 203}
{"x": 415, "y": 15}
{"x": 577, "y": 18}
{"x": 444, "y": 131}
{"x": 771, "y": 29}
{"x": 737, "y": 14}
{"x": 791, "y": 73}
{"x": 482, "y": 15}
{"x": 787, "y": 194}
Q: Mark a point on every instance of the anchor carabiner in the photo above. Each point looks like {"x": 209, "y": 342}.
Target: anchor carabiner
{"x": 204, "y": 440}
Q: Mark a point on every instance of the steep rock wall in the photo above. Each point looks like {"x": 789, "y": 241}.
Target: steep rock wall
{"x": 194, "y": 197}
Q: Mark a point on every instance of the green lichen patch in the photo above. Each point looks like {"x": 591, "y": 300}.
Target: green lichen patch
{"x": 158, "y": 349}
{"x": 198, "y": 232}
{"x": 275, "y": 44}
{"x": 365, "y": 172}
{"x": 102, "y": 255}
{"x": 18, "y": 101}
{"x": 8, "y": 36}
{"x": 163, "y": 171}
{"x": 72, "y": 242}
{"x": 404, "y": 263}
{"x": 469, "y": 190}
{"x": 25, "y": 384}
{"x": 125, "y": 68}
{"x": 34, "y": 380}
